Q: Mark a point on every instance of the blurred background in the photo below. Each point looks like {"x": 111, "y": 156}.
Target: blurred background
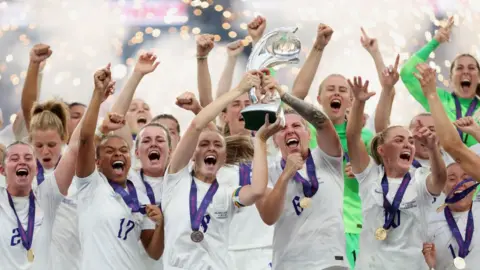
{"x": 87, "y": 34}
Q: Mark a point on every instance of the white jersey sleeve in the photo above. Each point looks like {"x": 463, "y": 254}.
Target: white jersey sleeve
{"x": 170, "y": 183}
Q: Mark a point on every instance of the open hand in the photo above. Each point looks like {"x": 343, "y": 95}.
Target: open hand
{"x": 360, "y": 90}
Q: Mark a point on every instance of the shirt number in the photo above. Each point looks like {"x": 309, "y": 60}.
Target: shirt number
{"x": 125, "y": 228}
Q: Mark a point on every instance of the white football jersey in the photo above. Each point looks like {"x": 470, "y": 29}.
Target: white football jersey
{"x": 13, "y": 255}
{"x": 109, "y": 231}
{"x": 447, "y": 246}
{"x": 156, "y": 183}
{"x": 247, "y": 229}
{"x": 180, "y": 251}
{"x": 66, "y": 250}
{"x": 404, "y": 244}
{"x": 314, "y": 237}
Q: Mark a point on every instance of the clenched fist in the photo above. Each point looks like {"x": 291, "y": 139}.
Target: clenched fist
{"x": 40, "y": 53}
{"x": 205, "y": 44}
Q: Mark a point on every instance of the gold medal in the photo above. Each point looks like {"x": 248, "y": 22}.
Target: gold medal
{"x": 441, "y": 207}
{"x": 30, "y": 255}
{"x": 459, "y": 263}
{"x": 381, "y": 234}
{"x": 305, "y": 202}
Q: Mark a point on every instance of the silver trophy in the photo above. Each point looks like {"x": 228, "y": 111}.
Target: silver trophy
{"x": 279, "y": 47}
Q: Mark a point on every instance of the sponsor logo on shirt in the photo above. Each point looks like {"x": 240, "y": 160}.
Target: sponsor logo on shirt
{"x": 220, "y": 214}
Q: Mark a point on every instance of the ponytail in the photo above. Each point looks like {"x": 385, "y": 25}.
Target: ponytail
{"x": 52, "y": 114}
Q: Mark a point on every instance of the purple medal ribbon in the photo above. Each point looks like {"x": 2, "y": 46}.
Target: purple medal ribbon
{"x": 244, "y": 173}
{"x": 416, "y": 164}
{"x": 392, "y": 209}
{"x": 463, "y": 245}
{"x": 458, "y": 109}
{"x": 130, "y": 198}
{"x": 346, "y": 157}
{"x": 148, "y": 187}
{"x": 309, "y": 187}
{"x": 196, "y": 216}
{"x": 26, "y": 236}
{"x": 41, "y": 171}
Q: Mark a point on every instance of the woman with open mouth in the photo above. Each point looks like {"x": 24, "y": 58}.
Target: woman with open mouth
{"x": 396, "y": 199}
{"x": 464, "y": 74}
{"x": 199, "y": 240}
{"x": 111, "y": 211}
{"x": 49, "y": 135}
{"x": 305, "y": 203}
{"x": 152, "y": 148}
{"x": 451, "y": 229}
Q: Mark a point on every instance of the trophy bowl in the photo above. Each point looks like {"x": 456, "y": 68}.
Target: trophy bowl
{"x": 277, "y": 48}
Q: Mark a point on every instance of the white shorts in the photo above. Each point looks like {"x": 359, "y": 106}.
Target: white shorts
{"x": 252, "y": 259}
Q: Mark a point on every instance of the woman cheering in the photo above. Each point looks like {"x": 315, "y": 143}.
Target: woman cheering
{"x": 395, "y": 199}
{"x": 197, "y": 210}
{"x": 305, "y": 203}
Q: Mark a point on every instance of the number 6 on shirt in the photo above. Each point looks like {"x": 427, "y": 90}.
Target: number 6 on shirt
{"x": 128, "y": 227}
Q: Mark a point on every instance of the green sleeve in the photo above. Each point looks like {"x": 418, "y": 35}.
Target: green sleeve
{"x": 313, "y": 137}
{"x": 367, "y": 136}
{"x": 406, "y": 73}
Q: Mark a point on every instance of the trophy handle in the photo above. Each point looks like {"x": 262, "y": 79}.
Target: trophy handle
{"x": 252, "y": 95}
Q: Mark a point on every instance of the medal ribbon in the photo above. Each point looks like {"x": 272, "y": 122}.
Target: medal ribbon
{"x": 130, "y": 198}
{"x": 309, "y": 187}
{"x": 346, "y": 157}
{"x": 458, "y": 110}
{"x": 26, "y": 236}
{"x": 196, "y": 216}
{"x": 392, "y": 209}
{"x": 453, "y": 198}
{"x": 244, "y": 173}
{"x": 40, "y": 171}
{"x": 416, "y": 164}
{"x": 148, "y": 187}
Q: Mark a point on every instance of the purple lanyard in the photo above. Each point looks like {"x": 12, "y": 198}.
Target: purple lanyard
{"x": 463, "y": 246}
{"x": 309, "y": 187}
{"x": 196, "y": 216}
{"x": 148, "y": 187}
{"x": 392, "y": 209}
{"x": 346, "y": 157}
{"x": 130, "y": 198}
{"x": 416, "y": 164}
{"x": 27, "y": 237}
{"x": 244, "y": 173}
{"x": 40, "y": 171}
{"x": 458, "y": 110}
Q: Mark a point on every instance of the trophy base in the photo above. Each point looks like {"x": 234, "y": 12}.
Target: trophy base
{"x": 254, "y": 115}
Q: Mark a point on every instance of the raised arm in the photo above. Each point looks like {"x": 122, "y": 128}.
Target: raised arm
{"x": 86, "y": 154}
{"x": 234, "y": 49}
{"x": 305, "y": 77}
{"x": 327, "y": 137}
{"x": 444, "y": 129}
{"x": 468, "y": 125}
{"x": 436, "y": 180}
{"x": 187, "y": 145}
{"x": 357, "y": 151}
{"x": 249, "y": 194}
{"x": 256, "y": 28}
{"x": 39, "y": 53}
{"x": 406, "y": 73}
{"x": 146, "y": 64}
{"x": 205, "y": 44}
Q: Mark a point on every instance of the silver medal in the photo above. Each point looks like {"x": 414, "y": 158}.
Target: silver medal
{"x": 459, "y": 263}
{"x": 196, "y": 236}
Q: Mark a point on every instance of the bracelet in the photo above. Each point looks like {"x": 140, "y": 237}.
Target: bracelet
{"x": 99, "y": 133}
{"x": 199, "y": 57}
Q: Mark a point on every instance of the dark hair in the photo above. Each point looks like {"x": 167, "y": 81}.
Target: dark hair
{"x": 167, "y": 116}
{"x": 477, "y": 92}
{"x": 52, "y": 114}
{"x": 73, "y": 104}
{"x": 378, "y": 140}
{"x": 169, "y": 140}
{"x": 104, "y": 140}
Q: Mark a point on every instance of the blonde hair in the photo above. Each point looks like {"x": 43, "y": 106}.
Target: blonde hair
{"x": 322, "y": 84}
{"x": 52, "y": 114}
{"x": 378, "y": 140}
{"x": 239, "y": 148}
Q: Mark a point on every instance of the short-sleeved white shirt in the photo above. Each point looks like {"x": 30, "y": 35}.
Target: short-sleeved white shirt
{"x": 156, "y": 183}
{"x": 444, "y": 240}
{"x": 13, "y": 255}
{"x": 180, "y": 251}
{"x": 247, "y": 229}
{"x": 109, "y": 231}
{"x": 403, "y": 246}
{"x": 311, "y": 238}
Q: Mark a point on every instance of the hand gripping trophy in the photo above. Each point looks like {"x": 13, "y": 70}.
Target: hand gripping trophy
{"x": 278, "y": 47}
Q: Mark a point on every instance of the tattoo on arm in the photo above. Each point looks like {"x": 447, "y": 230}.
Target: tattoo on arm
{"x": 313, "y": 115}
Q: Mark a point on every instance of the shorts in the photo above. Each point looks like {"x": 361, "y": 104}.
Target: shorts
{"x": 252, "y": 259}
{"x": 352, "y": 245}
